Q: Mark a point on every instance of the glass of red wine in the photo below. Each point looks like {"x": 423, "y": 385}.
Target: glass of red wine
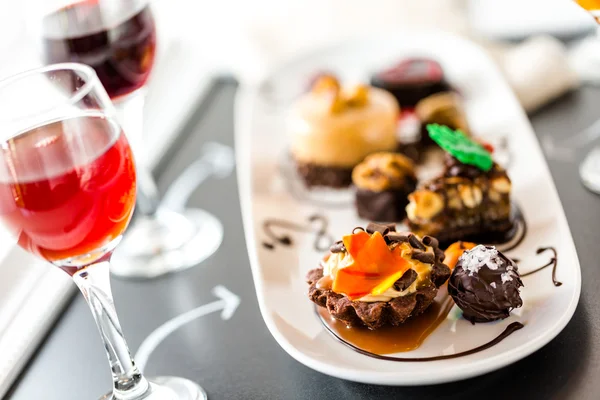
{"x": 117, "y": 38}
{"x": 67, "y": 193}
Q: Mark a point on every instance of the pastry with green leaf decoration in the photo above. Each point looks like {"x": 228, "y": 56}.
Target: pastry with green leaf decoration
{"x": 470, "y": 201}
{"x": 461, "y": 147}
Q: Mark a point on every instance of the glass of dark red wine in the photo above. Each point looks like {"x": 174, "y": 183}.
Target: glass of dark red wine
{"x": 117, "y": 38}
{"x": 67, "y": 193}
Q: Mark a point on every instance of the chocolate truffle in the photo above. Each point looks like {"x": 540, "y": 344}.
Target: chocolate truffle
{"x": 412, "y": 80}
{"x": 485, "y": 285}
{"x": 383, "y": 182}
{"x": 333, "y": 128}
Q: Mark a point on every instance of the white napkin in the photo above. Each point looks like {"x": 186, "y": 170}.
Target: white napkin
{"x": 538, "y": 70}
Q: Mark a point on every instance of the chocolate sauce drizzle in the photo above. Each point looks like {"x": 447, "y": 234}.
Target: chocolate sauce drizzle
{"x": 553, "y": 261}
{"x": 323, "y": 239}
{"x": 513, "y": 327}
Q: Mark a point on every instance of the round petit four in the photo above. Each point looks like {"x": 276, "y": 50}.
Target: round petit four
{"x": 485, "y": 284}
{"x": 334, "y": 128}
{"x": 443, "y": 108}
{"x": 412, "y": 80}
{"x": 383, "y": 182}
{"x": 377, "y": 277}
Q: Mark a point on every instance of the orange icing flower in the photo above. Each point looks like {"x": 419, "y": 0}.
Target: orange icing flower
{"x": 454, "y": 251}
{"x": 374, "y": 268}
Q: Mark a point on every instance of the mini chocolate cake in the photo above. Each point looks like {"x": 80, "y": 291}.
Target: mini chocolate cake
{"x": 412, "y": 80}
{"x": 444, "y": 109}
{"x": 485, "y": 285}
{"x": 332, "y": 129}
{"x": 383, "y": 182}
{"x": 318, "y": 175}
{"x": 378, "y": 277}
{"x": 465, "y": 203}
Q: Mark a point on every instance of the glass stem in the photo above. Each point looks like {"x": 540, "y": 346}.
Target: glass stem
{"x": 131, "y": 116}
{"x": 94, "y": 283}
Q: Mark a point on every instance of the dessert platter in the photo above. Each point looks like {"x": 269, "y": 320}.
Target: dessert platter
{"x": 402, "y": 224}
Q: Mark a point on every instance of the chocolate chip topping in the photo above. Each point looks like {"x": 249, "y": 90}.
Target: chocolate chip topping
{"x": 427, "y": 258}
{"x": 396, "y": 237}
{"x": 439, "y": 271}
{"x": 430, "y": 241}
{"x": 384, "y": 229}
{"x": 406, "y": 280}
{"x": 338, "y": 247}
{"x": 415, "y": 242}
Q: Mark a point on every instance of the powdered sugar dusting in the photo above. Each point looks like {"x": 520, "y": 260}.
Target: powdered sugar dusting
{"x": 479, "y": 256}
{"x": 506, "y": 277}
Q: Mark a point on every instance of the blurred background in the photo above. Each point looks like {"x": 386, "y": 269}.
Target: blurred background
{"x": 540, "y": 45}
{"x": 243, "y": 38}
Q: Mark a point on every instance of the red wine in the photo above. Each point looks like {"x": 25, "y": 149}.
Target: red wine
{"x": 118, "y": 42}
{"x": 63, "y": 194}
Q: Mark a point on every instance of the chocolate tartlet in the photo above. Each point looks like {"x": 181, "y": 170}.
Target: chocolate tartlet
{"x": 378, "y": 277}
{"x": 412, "y": 80}
{"x": 467, "y": 202}
{"x": 333, "y": 129}
{"x": 485, "y": 285}
{"x": 383, "y": 182}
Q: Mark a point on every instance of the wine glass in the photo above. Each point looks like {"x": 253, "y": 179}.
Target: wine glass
{"x": 589, "y": 169}
{"x": 117, "y": 38}
{"x": 67, "y": 193}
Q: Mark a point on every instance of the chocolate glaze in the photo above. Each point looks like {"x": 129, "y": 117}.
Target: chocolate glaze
{"x": 553, "y": 261}
{"x": 323, "y": 239}
{"x": 511, "y": 239}
{"x": 485, "y": 295}
{"x": 511, "y": 328}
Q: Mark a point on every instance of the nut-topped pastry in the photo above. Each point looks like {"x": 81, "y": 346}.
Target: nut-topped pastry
{"x": 377, "y": 277}
{"x": 443, "y": 108}
{"x": 333, "y": 128}
{"x": 471, "y": 198}
{"x": 383, "y": 182}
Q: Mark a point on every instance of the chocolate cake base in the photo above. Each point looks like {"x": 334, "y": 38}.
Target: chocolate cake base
{"x": 385, "y": 206}
{"x": 497, "y": 232}
{"x": 314, "y": 175}
{"x": 372, "y": 315}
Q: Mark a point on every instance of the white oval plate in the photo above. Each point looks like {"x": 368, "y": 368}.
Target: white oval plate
{"x": 279, "y": 273}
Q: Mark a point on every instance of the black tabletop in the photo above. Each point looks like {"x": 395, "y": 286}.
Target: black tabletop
{"x": 238, "y": 358}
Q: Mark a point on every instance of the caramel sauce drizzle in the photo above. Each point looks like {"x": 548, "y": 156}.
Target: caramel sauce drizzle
{"x": 392, "y": 339}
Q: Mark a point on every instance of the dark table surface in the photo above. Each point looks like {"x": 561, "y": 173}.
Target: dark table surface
{"x": 238, "y": 358}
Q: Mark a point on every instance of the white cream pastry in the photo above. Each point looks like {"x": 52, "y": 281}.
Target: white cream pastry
{"x": 338, "y": 127}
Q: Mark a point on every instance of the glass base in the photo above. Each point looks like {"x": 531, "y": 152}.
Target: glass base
{"x": 169, "y": 388}
{"x": 589, "y": 170}
{"x": 166, "y": 243}
{"x": 585, "y": 60}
